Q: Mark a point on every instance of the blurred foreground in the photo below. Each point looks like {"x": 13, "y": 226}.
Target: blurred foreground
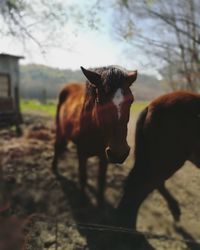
{"x": 54, "y": 208}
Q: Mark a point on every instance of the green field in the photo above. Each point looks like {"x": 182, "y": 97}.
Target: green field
{"x": 36, "y": 106}
{"x": 138, "y": 106}
{"x": 50, "y": 108}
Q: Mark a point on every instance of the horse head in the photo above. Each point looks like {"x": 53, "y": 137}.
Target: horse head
{"x": 112, "y": 102}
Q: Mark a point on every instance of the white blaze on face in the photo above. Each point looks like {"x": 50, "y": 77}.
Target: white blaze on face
{"x": 118, "y": 100}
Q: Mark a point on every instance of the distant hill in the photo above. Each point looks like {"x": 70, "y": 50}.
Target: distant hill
{"x": 38, "y": 81}
{"x": 147, "y": 87}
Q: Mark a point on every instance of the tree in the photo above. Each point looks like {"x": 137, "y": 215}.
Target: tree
{"x": 27, "y": 20}
{"x": 43, "y": 22}
{"x": 169, "y": 32}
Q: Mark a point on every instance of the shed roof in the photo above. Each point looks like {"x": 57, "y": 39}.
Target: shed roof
{"x": 9, "y": 55}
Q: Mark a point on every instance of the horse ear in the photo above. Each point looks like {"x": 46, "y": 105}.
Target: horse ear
{"x": 132, "y": 76}
{"x": 93, "y": 77}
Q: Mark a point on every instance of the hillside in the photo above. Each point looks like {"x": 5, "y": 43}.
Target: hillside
{"x": 147, "y": 87}
{"x": 39, "y": 81}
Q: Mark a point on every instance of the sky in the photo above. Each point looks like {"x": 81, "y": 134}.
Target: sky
{"x": 82, "y": 47}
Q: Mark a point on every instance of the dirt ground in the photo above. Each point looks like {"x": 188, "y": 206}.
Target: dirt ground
{"x": 58, "y": 219}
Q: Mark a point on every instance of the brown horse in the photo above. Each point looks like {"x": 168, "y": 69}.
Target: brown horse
{"x": 95, "y": 116}
{"x": 167, "y": 134}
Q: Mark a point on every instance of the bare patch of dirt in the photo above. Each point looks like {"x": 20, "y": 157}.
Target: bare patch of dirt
{"x": 56, "y": 215}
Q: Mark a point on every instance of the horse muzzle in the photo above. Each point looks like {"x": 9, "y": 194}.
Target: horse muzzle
{"x": 117, "y": 156}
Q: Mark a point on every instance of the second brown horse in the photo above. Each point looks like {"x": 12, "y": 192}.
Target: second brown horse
{"x": 95, "y": 116}
{"x": 167, "y": 134}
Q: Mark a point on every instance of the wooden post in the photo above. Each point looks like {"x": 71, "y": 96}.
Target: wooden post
{"x": 18, "y": 115}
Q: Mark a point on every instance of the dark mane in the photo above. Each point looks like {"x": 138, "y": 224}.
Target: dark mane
{"x": 111, "y": 76}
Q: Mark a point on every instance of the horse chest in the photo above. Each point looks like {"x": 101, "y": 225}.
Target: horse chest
{"x": 91, "y": 144}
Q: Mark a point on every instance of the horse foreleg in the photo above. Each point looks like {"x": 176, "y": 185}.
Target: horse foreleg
{"x": 82, "y": 172}
{"x": 137, "y": 188}
{"x": 103, "y": 164}
{"x": 171, "y": 202}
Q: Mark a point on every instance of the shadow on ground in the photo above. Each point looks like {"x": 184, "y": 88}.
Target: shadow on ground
{"x": 90, "y": 215}
{"x": 189, "y": 240}
{"x": 33, "y": 189}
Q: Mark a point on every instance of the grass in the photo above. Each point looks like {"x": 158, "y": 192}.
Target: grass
{"x": 34, "y": 105}
{"x": 50, "y": 108}
{"x": 138, "y": 106}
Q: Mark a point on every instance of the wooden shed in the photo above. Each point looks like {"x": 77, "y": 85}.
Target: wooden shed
{"x": 9, "y": 91}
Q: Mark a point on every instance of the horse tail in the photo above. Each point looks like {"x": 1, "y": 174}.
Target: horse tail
{"x": 62, "y": 97}
{"x": 60, "y": 142}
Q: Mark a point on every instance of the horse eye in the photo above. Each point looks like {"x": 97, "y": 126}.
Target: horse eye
{"x": 130, "y": 99}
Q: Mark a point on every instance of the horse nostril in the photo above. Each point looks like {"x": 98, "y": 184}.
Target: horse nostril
{"x": 115, "y": 157}
{"x": 128, "y": 150}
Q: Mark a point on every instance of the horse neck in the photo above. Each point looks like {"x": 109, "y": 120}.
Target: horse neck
{"x": 88, "y": 115}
